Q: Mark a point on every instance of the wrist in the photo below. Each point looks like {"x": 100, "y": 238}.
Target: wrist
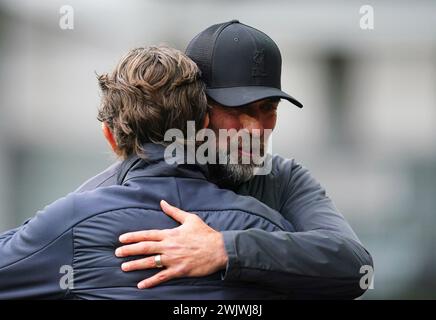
{"x": 222, "y": 256}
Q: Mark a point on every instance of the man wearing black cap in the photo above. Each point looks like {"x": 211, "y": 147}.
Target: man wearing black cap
{"x": 241, "y": 67}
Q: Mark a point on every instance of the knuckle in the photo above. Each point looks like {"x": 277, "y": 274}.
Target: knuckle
{"x": 141, "y": 235}
{"x": 151, "y": 235}
{"x": 161, "y": 277}
{"x": 143, "y": 263}
{"x": 142, "y": 247}
{"x": 173, "y": 232}
{"x": 171, "y": 246}
{"x": 182, "y": 270}
{"x": 150, "y": 263}
{"x": 194, "y": 218}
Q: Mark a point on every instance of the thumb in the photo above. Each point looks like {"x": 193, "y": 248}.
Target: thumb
{"x": 173, "y": 212}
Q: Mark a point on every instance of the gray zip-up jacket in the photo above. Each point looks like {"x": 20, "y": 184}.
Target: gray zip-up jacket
{"x": 322, "y": 259}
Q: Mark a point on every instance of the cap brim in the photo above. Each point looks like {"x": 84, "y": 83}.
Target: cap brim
{"x": 238, "y": 96}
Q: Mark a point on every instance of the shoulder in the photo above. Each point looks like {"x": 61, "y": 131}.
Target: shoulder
{"x": 286, "y": 167}
{"x": 104, "y": 178}
{"x": 290, "y": 172}
{"x": 68, "y": 211}
{"x": 282, "y": 166}
{"x": 294, "y": 182}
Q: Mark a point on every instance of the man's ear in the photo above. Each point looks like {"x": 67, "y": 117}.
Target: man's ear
{"x": 109, "y": 137}
{"x": 206, "y": 121}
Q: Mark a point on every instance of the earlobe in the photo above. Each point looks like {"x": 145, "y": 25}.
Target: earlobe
{"x": 206, "y": 121}
{"x": 109, "y": 136}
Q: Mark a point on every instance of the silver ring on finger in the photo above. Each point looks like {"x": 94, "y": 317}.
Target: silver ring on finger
{"x": 158, "y": 261}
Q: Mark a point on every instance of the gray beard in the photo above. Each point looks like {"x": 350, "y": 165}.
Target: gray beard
{"x": 237, "y": 174}
{"x": 231, "y": 175}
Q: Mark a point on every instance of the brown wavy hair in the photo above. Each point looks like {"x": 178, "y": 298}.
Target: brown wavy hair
{"x": 151, "y": 90}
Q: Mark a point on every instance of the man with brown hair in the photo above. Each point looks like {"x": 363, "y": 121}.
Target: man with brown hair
{"x": 162, "y": 79}
{"x": 67, "y": 249}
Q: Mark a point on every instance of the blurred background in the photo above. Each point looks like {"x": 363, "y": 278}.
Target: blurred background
{"x": 366, "y": 132}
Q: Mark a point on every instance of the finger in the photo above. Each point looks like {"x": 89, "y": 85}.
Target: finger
{"x": 145, "y": 235}
{"x": 174, "y": 212}
{"x": 158, "y": 278}
{"x": 140, "y": 248}
{"x": 140, "y": 264}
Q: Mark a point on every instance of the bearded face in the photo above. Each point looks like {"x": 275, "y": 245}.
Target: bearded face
{"x": 243, "y": 134}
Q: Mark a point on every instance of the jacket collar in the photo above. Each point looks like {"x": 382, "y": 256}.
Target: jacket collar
{"x": 155, "y": 163}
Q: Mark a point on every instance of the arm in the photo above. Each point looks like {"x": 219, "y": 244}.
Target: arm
{"x": 324, "y": 256}
{"x": 321, "y": 260}
{"x": 32, "y": 255}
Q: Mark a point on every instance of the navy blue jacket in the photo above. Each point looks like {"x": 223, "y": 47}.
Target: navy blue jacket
{"x": 81, "y": 231}
{"x": 317, "y": 255}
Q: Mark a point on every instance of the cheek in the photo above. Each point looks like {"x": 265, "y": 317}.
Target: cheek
{"x": 223, "y": 121}
{"x": 270, "y": 122}
{"x": 226, "y": 121}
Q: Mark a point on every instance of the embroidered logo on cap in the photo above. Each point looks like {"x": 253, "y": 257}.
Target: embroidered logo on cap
{"x": 258, "y": 69}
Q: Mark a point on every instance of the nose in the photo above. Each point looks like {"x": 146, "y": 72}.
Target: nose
{"x": 251, "y": 123}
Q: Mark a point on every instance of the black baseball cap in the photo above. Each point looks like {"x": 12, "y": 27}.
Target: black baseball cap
{"x": 239, "y": 64}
